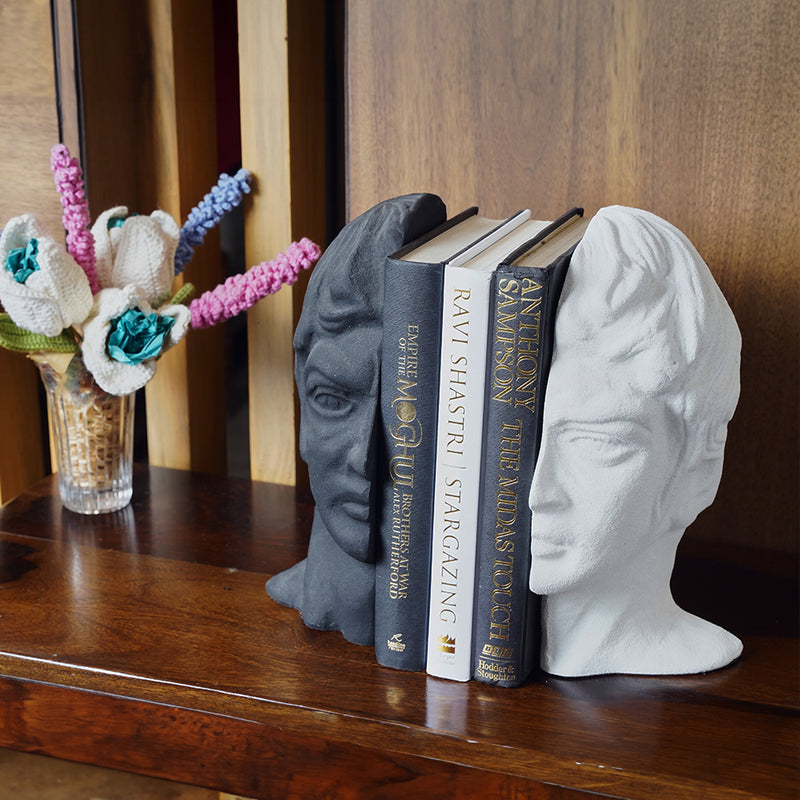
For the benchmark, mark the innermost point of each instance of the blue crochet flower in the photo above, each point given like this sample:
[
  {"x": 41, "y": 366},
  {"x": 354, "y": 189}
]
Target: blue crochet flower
[
  {"x": 222, "y": 198},
  {"x": 136, "y": 336},
  {"x": 121, "y": 340},
  {"x": 21, "y": 261}
]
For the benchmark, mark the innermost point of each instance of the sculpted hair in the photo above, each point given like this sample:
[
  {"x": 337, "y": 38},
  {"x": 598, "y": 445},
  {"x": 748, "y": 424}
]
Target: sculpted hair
[
  {"x": 341, "y": 294},
  {"x": 346, "y": 287},
  {"x": 639, "y": 296}
]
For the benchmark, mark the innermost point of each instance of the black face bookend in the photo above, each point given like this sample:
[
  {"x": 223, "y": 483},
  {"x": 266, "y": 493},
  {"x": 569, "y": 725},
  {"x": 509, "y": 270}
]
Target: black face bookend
[{"x": 337, "y": 370}]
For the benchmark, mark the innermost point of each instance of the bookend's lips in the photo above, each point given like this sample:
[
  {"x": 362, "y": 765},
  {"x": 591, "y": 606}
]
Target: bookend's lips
[
  {"x": 546, "y": 550},
  {"x": 357, "y": 509}
]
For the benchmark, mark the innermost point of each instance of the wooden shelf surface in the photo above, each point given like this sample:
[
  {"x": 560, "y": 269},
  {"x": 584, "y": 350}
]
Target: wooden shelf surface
[{"x": 144, "y": 641}]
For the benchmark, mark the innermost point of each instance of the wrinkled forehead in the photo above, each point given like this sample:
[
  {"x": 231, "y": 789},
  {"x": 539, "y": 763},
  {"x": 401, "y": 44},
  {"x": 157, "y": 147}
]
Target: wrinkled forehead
[
  {"x": 584, "y": 388},
  {"x": 348, "y": 359},
  {"x": 630, "y": 357},
  {"x": 339, "y": 300}
]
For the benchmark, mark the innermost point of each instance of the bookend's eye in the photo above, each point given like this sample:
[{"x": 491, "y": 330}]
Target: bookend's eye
[
  {"x": 329, "y": 400},
  {"x": 606, "y": 445}
]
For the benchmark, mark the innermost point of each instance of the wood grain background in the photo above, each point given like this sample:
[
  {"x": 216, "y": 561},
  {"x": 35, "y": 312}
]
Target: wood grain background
[
  {"x": 688, "y": 109},
  {"x": 28, "y": 130},
  {"x": 151, "y": 143}
]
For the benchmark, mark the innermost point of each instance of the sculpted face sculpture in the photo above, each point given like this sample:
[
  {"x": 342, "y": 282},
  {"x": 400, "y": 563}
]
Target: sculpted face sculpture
[
  {"x": 337, "y": 369},
  {"x": 643, "y": 382}
]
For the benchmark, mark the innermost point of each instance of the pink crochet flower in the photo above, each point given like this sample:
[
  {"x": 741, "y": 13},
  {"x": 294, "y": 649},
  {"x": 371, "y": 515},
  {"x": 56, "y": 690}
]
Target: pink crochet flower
[
  {"x": 69, "y": 181},
  {"x": 240, "y": 292}
]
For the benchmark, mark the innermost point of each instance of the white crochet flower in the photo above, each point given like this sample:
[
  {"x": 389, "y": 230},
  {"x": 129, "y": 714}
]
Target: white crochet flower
[
  {"x": 137, "y": 250},
  {"x": 50, "y": 291},
  {"x": 115, "y": 376}
]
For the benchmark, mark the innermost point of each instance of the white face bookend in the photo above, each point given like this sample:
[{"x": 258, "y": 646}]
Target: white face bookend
[{"x": 644, "y": 380}]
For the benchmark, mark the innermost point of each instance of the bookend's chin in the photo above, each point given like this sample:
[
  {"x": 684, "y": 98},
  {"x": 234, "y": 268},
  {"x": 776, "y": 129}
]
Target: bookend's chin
[
  {"x": 624, "y": 620},
  {"x": 647, "y": 664},
  {"x": 330, "y": 589}
]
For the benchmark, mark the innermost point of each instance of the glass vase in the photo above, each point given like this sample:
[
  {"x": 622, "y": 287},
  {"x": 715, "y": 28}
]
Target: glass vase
[{"x": 92, "y": 433}]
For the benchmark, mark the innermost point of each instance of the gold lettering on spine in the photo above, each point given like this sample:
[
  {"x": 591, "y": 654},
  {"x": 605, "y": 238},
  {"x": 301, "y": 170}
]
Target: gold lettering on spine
[
  {"x": 400, "y": 545},
  {"x": 527, "y": 360},
  {"x": 514, "y": 376},
  {"x": 405, "y": 434},
  {"x": 502, "y": 580}
]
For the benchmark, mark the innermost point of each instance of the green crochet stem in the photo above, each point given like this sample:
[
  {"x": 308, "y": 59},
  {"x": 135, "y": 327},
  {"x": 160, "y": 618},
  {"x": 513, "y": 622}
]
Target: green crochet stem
[
  {"x": 183, "y": 295},
  {"x": 12, "y": 337}
]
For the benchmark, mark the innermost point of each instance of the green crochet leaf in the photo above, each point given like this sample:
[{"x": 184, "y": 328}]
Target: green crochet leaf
[
  {"x": 12, "y": 337},
  {"x": 183, "y": 295}
]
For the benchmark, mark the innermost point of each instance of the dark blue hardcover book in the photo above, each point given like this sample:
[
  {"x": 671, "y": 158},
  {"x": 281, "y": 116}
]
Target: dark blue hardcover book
[
  {"x": 412, "y": 322},
  {"x": 506, "y": 630}
]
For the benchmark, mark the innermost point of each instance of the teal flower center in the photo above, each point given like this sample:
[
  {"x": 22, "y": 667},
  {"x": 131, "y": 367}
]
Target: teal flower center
[
  {"x": 118, "y": 222},
  {"x": 136, "y": 336},
  {"x": 21, "y": 261}
]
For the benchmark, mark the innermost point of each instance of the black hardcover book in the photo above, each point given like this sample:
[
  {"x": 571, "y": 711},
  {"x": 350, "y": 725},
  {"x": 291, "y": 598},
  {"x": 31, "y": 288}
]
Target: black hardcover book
[
  {"x": 412, "y": 321},
  {"x": 522, "y": 321}
]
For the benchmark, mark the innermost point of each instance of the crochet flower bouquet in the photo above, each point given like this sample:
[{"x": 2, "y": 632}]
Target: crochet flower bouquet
[{"x": 100, "y": 311}]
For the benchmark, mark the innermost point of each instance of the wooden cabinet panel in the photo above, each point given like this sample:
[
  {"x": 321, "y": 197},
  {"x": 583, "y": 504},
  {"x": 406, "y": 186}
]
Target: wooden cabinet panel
[
  {"x": 281, "y": 68},
  {"x": 28, "y": 130},
  {"x": 688, "y": 109},
  {"x": 151, "y": 143}
]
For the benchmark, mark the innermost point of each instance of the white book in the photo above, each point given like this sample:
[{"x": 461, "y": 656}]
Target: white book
[{"x": 462, "y": 379}]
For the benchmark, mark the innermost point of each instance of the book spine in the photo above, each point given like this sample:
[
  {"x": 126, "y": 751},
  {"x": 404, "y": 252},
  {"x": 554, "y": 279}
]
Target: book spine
[
  {"x": 506, "y": 620},
  {"x": 457, "y": 478},
  {"x": 408, "y": 408}
]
